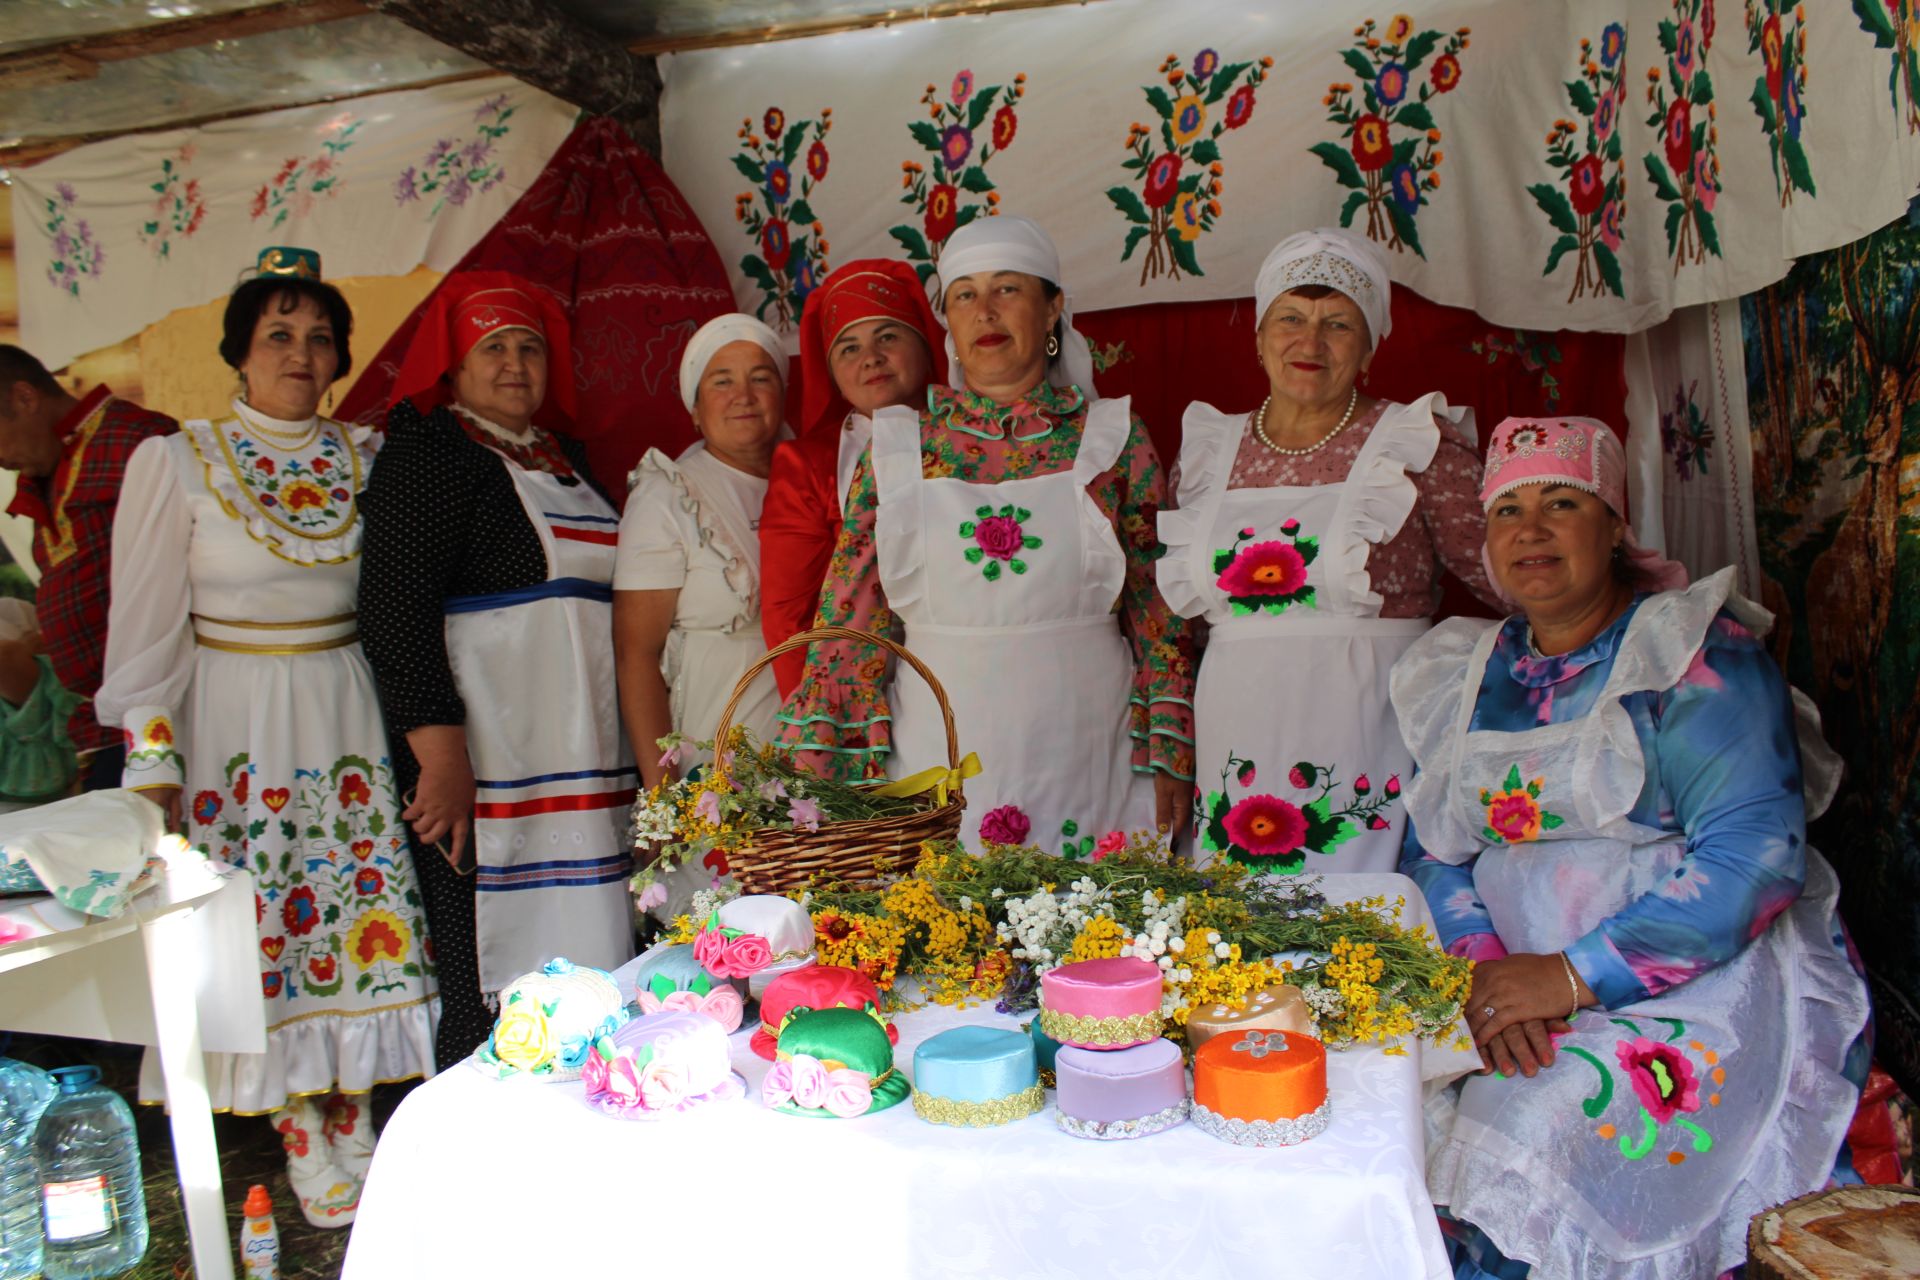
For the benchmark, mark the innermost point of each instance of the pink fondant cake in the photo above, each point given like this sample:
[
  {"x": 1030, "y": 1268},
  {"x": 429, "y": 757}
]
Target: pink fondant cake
[{"x": 1101, "y": 1004}]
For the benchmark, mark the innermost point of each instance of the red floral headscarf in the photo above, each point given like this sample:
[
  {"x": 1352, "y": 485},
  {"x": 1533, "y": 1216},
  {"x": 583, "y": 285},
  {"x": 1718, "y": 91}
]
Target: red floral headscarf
[
  {"x": 468, "y": 307},
  {"x": 865, "y": 289}
]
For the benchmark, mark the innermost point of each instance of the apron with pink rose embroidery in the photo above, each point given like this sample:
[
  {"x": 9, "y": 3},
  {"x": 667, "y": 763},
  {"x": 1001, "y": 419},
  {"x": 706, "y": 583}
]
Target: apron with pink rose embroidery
[
  {"x": 1298, "y": 759},
  {"x": 1007, "y": 592},
  {"x": 1665, "y": 1124}
]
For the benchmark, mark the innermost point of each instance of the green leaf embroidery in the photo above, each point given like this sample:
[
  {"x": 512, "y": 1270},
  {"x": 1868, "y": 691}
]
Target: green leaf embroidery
[
  {"x": 974, "y": 555},
  {"x": 1513, "y": 778},
  {"x": 967, "y": 527},
  {"x": 992, "y": 572}
]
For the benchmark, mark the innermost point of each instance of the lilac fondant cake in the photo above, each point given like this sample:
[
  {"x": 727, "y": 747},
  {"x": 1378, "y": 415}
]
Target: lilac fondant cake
[
  {"x": 1101, "y": 1004},
  {"x": 1123, "y": 1093}
]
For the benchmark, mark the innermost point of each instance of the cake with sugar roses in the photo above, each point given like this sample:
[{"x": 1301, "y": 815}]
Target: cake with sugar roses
[{"x": 548, "y": 1022}]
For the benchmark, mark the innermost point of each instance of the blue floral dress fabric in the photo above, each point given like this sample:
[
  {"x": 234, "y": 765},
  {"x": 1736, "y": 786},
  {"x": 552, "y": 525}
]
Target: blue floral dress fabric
[
  {"x": 1639, "y": 804},
  {"x": 1735, "y": 792}
]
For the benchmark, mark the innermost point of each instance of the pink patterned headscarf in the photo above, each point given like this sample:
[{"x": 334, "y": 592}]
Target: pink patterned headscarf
[{"x": 1581, "y": 452}]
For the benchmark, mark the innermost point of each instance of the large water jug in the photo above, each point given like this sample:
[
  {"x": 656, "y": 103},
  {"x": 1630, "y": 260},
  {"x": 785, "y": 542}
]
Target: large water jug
[
  {"x": 92, "y": 1205},
  {"x": 24, "y": 1093}
]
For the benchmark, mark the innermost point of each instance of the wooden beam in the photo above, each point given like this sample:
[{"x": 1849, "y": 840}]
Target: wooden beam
[
  {"x": 34, "y": 150},
  {"x": 36, "y": 70},
  {"x": 833, "y": 26},
  {"x": 184, "y": 33},
  {"x": 541, "y": 44}
]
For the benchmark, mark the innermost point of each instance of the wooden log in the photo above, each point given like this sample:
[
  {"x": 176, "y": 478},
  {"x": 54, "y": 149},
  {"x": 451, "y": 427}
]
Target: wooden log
[
  {"x": 537, "y": 42},
  {"x": 1851, "y": 1233}
]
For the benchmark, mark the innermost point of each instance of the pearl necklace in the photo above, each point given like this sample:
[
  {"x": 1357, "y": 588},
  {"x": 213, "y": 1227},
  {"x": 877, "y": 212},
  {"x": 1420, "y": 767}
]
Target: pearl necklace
[
  {"x": 1260, "y": 427},
  {"x": 290, "y": 441}
]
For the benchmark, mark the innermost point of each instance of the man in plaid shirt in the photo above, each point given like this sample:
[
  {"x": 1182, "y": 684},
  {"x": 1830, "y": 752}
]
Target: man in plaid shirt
[{"x": 71, "y": 455}]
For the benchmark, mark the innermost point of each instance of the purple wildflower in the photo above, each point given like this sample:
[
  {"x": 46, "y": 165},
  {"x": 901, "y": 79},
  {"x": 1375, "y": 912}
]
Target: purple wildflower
[{"x": 404, "y": 188}]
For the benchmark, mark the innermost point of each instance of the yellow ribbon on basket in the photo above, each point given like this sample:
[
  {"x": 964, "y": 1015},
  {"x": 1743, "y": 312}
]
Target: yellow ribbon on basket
[{"x": 937, "y": 780}]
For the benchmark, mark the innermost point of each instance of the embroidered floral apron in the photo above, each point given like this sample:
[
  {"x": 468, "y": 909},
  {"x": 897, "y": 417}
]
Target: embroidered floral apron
[
  {"x": 1007, "y": 592},
  {"x": 1663, "y": 1125},
  {"x": 554, "y": 776},
  {"x": 1299, "y": 762}
]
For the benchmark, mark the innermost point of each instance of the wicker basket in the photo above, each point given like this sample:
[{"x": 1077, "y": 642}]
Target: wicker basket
[{"x": 855, "y": 852}]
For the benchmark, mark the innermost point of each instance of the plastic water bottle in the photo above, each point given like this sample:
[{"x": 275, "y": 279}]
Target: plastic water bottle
[
  {"x": 259, "y": 1237},
  {"x": 24, "y": 1093},
  {"x": 92, "y": 1205}
]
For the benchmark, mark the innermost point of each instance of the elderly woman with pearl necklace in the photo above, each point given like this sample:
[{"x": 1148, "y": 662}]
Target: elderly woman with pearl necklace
[{"x": 1311, "y": 534}]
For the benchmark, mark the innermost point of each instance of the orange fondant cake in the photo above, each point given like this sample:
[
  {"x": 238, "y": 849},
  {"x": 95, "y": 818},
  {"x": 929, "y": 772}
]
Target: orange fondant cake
[{"x": 1261, "y": 1088}]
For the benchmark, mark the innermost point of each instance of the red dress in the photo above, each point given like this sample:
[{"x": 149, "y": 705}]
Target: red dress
[{"x": 798, "y": 527}]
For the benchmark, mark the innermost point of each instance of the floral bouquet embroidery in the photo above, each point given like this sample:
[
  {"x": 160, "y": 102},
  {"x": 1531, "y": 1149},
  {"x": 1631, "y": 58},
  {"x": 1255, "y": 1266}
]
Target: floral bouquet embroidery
[
  {"x": 998, "y": 537},
  {"x": 1178, "y": 203},
  {"x": 1687, "y": 180},
  {"x": 1390, "y": 179},
  {"x": 1269, "y": 576},
  {"x": 1779, "y": 95},
  {"x": 1590, "y": 213},
  {"x": 1685, "y": 434},
  {"x": 789, "y": 266},
  {"x": 76, "y": 252},
  {"x": 951, "y": 134},
  {"x": 1514, "y": 815},
  {"x": 454, "y": 168}
]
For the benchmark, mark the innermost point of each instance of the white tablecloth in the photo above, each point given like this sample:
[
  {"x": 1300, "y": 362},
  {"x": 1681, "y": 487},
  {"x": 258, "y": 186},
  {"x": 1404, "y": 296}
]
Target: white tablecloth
[{"x": 476, "y": 1177}]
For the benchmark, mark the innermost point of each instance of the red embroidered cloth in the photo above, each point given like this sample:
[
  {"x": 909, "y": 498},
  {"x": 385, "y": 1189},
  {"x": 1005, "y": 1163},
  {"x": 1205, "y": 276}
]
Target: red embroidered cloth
[{"x": 609, "y": 235}]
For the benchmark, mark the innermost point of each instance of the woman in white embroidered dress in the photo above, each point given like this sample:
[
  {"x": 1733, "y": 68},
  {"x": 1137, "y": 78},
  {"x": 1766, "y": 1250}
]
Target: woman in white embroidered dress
[
  {"x": 686, "y": 598},
  {"x": 1311, "y": 534},
  {"x": 233, "y": 665},
  {"x": 686, "y": 584}
]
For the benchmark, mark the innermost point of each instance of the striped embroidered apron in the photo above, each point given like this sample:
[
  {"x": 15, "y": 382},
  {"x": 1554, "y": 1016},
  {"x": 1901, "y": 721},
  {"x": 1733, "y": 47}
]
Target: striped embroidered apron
[{"x": 553, "y": 774}]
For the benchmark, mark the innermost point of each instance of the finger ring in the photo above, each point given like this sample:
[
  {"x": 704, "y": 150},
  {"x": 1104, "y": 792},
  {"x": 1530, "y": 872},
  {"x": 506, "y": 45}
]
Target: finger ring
[{"x": 1487, "y": 1010}]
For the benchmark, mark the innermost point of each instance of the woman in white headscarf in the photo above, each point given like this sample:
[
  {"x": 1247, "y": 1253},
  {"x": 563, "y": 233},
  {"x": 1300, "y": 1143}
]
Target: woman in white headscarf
[
  {"x": 686, "y": 579},
  {"x": 1008, "y": 527},
  {"x": 1311, "y": 534}
]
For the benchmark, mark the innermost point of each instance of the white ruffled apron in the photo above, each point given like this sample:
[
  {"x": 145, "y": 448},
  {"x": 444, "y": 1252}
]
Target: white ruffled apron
[
  {"x": 1298, "y": 760},
  {"x": 554, "y": 776},
  {"x": 1664, "y": 1125},
  {"x": 1026, "y": 642}
]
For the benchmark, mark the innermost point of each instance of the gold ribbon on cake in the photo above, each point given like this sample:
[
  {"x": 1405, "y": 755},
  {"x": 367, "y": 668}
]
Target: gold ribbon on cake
[
  {"x": 1071, "y": 1028},
  {"x": 937, "y": 780},
  {"x": 981, "y": 1115}
]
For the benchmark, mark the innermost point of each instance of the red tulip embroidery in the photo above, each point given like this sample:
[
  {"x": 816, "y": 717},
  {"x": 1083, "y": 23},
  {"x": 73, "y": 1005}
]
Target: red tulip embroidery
[
  {"x": 1267, "y": 576},
  {"x": 998, "y": 538},
  {"x": 1514, "y": 815}
]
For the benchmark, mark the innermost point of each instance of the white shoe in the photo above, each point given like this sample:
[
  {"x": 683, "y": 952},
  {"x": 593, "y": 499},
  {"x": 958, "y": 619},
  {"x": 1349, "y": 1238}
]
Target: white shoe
[
  {"x": 328, "y": 1196},
  {"x": 349, "y": 1132}
]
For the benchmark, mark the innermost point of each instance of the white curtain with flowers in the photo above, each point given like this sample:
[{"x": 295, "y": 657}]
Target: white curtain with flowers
[
  {"x": 1589, "y": 166},
  {"x": 109, "y": 238}
]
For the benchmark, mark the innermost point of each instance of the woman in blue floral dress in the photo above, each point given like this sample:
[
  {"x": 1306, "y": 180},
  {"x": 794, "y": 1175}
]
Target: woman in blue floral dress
[{"x": 1609, "y": 818}]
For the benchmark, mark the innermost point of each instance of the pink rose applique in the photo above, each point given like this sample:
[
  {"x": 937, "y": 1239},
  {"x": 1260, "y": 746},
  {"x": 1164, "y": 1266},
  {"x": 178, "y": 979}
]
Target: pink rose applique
[
  {"x": 1005, "y": 825},
  {"x": 849, "y": 1093},
  {"x": 743, "y": 957},
  {"x": 809, "y": 1081},
  {"x": 998, "y": 538},
  {"x": 664, "y": 1085},
  {"x": 709, "y": 945},
  {"x": 777, "y": 1088}
]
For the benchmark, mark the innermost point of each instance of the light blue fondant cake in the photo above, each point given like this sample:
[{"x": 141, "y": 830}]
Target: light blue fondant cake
[{"x": 976, "y": 1076}]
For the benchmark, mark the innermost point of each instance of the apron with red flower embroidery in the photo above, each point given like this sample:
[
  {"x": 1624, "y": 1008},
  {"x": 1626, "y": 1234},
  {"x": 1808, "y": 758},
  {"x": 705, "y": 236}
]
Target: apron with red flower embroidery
[
  {"x": 1665, "y": 1124},
  {"x": 552, "y": 772},
  {"x": 1298, "y": 758},
  {"x": 1007, "y": 592}
]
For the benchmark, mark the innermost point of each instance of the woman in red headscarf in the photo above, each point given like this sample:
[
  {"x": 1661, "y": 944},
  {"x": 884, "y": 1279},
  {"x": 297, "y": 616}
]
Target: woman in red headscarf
[
  {"x": 486, "y": 612},
  {"x": 866, "y": 342}
]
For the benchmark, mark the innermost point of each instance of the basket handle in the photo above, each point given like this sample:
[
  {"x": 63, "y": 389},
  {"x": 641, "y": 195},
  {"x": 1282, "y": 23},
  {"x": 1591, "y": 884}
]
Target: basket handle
[{"x": 805, "y": 639}]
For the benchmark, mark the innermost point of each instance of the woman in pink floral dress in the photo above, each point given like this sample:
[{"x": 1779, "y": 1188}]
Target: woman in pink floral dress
[
  {"x": 1009, "y": 528},
  {"x": 1310, "y": 535}
]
